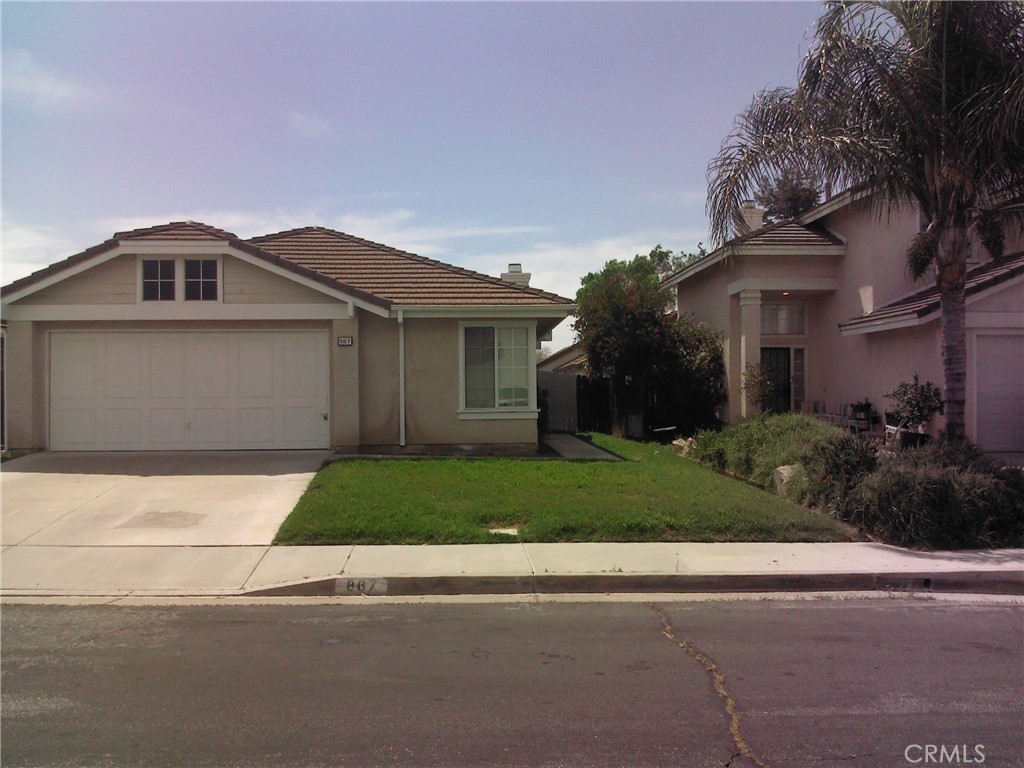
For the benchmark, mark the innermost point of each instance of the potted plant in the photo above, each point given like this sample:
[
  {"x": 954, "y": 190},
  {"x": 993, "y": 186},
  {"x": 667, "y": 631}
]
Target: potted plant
[{"x": 915, "y": 405}]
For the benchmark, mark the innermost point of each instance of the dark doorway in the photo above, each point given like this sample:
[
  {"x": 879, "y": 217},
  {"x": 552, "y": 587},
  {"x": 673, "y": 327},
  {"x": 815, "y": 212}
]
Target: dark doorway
[{"x": 775, "y": 360}]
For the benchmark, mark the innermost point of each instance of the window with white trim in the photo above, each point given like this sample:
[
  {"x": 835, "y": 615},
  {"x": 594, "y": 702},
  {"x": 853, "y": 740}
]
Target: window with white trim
[
  {"x": 158, "y": 280},
  {"x": 783, "y": 320},
  {"x": 496, "y": 367},
  {"x": 180, "y": 279},
  {"x": 200, "y": 279}
]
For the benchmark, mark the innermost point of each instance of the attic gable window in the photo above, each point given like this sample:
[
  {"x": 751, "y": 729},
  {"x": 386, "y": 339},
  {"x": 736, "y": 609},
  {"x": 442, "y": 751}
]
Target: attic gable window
[
  {"x": 158, "y": 280},
  {"x": 200, "y": 279}
]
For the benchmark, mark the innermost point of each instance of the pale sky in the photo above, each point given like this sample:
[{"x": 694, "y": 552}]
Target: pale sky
[{"x": 558, "y": 135}]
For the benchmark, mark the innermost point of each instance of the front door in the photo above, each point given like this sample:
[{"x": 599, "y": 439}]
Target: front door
[{"x": 775, "y": 360}]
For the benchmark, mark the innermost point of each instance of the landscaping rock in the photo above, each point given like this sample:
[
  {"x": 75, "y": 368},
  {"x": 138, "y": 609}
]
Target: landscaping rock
[
  {"x": 788, "y": 479},
  {"x": 684, "y": 445}
]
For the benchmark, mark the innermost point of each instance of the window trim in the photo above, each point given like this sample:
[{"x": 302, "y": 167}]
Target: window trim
[
  {"x": 528, "y": 411},
  {"x": 179, "y": 277}
]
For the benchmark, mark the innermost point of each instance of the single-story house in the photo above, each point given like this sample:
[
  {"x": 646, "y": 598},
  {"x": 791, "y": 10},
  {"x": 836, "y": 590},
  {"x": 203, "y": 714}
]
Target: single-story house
[
  {"x": 186, "y": 337},
  {"x": 826, "y": 303}
]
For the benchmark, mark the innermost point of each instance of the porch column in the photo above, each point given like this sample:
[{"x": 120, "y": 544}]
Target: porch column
[{"x": 750, "y": 340}]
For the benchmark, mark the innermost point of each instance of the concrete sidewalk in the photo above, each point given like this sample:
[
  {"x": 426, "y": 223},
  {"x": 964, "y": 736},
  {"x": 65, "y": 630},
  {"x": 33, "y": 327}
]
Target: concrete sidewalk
[{"x": 499, "y": 569}]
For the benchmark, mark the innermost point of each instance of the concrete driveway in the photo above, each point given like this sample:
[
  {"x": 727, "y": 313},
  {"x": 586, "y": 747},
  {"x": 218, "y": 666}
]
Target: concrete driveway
[
  {"x": 217, "y": 498},
  {"x": 101, "y": 522}
]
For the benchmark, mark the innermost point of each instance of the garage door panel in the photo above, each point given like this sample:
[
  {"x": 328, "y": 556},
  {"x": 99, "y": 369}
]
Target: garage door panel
[
  {"x": 255, "y": 361},
  {"x": 255, "y": 426},
  {"x": 301, "y": 375},
  {"x": 1000, "y": 395},
  {"x": 74, "y": 427},
  {"x": 166, "y": 427},
  {"x": 74, "y": 368},
  {"x": 212, "y": 360},
  {"x": 123, "y": 427},
  {"x": 123, "y": 368},
  {"x": 179, "y": 390},
  {"x": 167, "y": 367}
]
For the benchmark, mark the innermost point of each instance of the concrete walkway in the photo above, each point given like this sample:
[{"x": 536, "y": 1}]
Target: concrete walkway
[
  {"x": 500, "y": 569},
  {"x": 573, "y": 448}
]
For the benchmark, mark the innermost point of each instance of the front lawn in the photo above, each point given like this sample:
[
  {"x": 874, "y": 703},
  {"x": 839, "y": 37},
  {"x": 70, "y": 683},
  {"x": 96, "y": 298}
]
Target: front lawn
[{"x": 652, "y": 496}]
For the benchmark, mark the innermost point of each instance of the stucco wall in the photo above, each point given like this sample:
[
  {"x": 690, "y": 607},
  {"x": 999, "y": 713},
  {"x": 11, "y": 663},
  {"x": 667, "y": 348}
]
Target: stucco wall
[
  {"x": 432, "y": 393},
  {"x": 378, "y": 380}
]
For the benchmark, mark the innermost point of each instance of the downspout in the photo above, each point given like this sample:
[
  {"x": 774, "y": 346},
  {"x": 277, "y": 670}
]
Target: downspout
[{"x": 401, "y": 378}]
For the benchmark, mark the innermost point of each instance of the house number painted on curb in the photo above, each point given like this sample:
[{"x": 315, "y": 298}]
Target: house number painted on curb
[{"x": 361, "y": 586}]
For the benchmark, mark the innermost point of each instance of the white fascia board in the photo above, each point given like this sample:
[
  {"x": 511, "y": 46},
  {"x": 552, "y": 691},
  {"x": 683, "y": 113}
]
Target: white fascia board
[
  {"x": 485, "y": 311},
  {"x": 175, "y": 310},
  {"x": 784, "y": 284}
]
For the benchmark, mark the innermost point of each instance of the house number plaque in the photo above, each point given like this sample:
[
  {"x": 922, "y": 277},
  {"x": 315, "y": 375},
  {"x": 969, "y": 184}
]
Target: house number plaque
[{"x": 344, "y": 341}]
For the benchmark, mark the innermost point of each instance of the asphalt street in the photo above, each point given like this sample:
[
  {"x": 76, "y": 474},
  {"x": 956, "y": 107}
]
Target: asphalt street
[{"x": 846, "y": 682}]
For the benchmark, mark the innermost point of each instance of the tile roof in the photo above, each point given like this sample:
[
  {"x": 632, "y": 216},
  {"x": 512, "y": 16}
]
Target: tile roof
[
  {"x": 924, "y": 302},
  {"x": 177, "y": 230},
  {"x": 369, "y": 271},
  {"x": 787, "y": 233},
  {"x": 404, "y": 278}
]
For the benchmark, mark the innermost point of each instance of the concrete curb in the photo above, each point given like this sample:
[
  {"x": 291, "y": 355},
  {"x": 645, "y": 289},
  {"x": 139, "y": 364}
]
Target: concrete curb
[{"x": 972, "y": 582}]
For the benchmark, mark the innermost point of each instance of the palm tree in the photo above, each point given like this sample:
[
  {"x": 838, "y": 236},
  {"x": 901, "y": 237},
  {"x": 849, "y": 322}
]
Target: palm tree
[{"x": 910, "y": 101}]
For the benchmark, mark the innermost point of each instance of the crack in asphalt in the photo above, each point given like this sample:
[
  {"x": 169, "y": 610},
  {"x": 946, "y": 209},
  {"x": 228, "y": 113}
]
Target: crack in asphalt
[{"x": 718, "y": 678}]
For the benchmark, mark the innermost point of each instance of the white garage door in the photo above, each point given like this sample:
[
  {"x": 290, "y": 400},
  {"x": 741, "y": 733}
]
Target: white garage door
[
  {"x": 188, "y": 391},
  {"x": 1000, "y": 377}
]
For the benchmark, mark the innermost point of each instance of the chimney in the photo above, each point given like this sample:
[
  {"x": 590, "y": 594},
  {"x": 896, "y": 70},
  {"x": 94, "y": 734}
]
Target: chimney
[
  {"x": 753, "y": 217},
  {"x": 516, "y": 275}
]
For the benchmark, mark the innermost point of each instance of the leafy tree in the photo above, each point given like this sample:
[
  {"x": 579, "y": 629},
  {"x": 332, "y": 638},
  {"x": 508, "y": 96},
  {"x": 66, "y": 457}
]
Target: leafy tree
[
  {"x": 787, "y": 196},
  {"x": 620, "y": 318},
  {"x": 909, "y": 101},
  {"x": 623, "y": 325},
  {"x": 668, "y": 263}
]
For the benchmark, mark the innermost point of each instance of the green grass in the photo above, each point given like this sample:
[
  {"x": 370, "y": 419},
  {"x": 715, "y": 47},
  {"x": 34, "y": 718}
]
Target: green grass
[{"x": 653, "y": 495}]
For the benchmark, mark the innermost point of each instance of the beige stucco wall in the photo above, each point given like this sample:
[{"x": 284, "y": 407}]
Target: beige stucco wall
[
  {"x": 378, "y": 380},
  {"x": 246, "y": 283},
  {"x": 432, "y": 393},
  {"x": 112, "y": 282}
]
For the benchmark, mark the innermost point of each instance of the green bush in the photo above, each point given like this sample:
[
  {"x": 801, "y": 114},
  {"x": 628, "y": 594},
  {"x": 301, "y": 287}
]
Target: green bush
[
  {"x": 942, "y": 496},
  {"x": 937, "y": 496},
  {"x": 914, "y": 503},
  {"x": 754, "y": 447},
  {"x": 835, "y": 464}
]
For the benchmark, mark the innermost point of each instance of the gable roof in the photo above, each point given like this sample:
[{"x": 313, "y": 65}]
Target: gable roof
[
  {"x": 370, "y": 272},
  {"x": 779, "y": 237},
  {"x": 918, "y": 307},
  {"x": 181, "y": 231},
  {"x": 403, "y": 278},
  {"x": 177, "y": 230}
]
